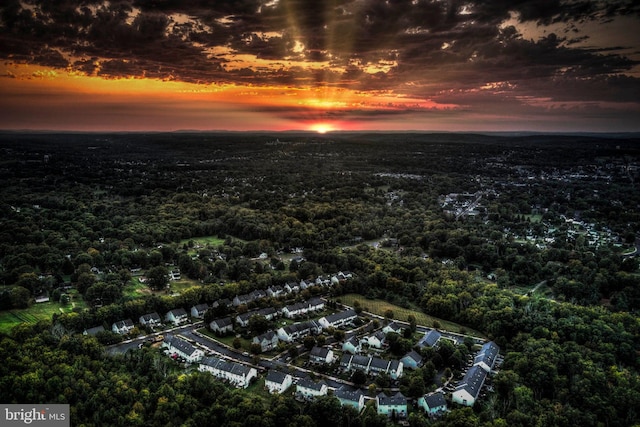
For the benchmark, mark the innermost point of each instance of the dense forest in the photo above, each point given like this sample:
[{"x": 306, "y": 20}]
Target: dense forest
[{"x": 530, "y": 240}]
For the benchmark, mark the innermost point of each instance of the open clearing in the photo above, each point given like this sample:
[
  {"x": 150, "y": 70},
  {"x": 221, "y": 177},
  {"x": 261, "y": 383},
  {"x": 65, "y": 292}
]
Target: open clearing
[
  {"x": 379, "y": 307},
  {"x": 35, "y": 313}
]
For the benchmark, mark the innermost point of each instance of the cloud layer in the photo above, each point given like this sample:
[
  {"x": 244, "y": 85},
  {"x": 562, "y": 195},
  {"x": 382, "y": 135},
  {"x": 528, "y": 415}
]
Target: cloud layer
[{"x": 453, "y": 54}]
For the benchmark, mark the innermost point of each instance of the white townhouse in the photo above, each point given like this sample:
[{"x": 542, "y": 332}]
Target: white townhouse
[
  {"x": 122, "y": 327},
  {"x": 151, "y": 319},
  {"x": 268, "y": 313},
  {"x": 468, "y": 388},
  {"x": 376, "y": 340},
  {"x": 277, "y": 382},
  {"x": 224, "y": 302},
  {"x": 236, "y": 373},
  {"x": 291, "y": 288},
  {"x": 250, "y": 297},
  {"x": 396, "y": 369},
  {"x": 275, "y": 291},
  {"x": 433, "y": 403},
  {"x": 352, "y": 345},
  {"x": 373, "y": 365},
  {"x": 391, "y": 406},
  {"x": 198, "y": 311},
  {"x": 338, "y": 319},
  {"x": 321, "y": 355},
  {"x": 348, "y": 397},
  {"x": 177, "y": 316},
  {"x": 222, "y": 326},
  {"x": 267, "y": 341},
  {"x": 294, "y": 310},
  {"x": 308, "y": 389},
  {"x": 316, "y": 304},
  {"x": 393, "y": 327},
  {"x": 296, "y": 331},
  {"x": 183, "y": 348},
  {"x": 412, "y": 360},
  {"x": 486, "y": 357},
  {"x": 360, "y": 363}
]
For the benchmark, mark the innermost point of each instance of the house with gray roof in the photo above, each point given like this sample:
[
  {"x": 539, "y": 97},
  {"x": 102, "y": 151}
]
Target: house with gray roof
[
  {"x": 222, "y": 326},
  {"x": 434, "y": 404},
  {"x": 182, "y": 348},
  {"x": 350, "y": 397},
  {"x": 308, "y": 389},
  {"x": 275, "y": 291},
  {"x": 122, "y": 327},
  {"x": 198, "y": 311},
  {"x": 352, "y": 345},
  {"x": 277, "y": 381},
  {"x": 320, "y": 355},
  {"x": 224, "y": 302},
  {"x": 177, "y": 316},
  {"x": 396, "y": 369},
  {"x": 430, "y": 339},
  {"x": 296, "y": 331},
  {"x": 294, "y": 310},
  {"x": 316, "y": 304},
  {"x": 486, "y": 357},
  {"x": 151, "y": 319},
  {"x": 360, "y": 362},
  {"x": 412, "y": 360},
  {"x": 345, "y": 361},
  {"x": 393, "y": 327},
  {"x": 338, "y": 319},
  {"x": 468, "y": 388},
  {"x": 237, "y": 374},
  {"x": 392, "y": 406},
  {"x": 376, "y": 340},
  {"x": 378, "y": 366},
  {"x": 267, "y": 341}
]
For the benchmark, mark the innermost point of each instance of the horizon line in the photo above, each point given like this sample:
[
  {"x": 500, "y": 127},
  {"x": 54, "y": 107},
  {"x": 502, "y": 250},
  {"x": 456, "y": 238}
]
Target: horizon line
[{"x": 324, "y": 134}]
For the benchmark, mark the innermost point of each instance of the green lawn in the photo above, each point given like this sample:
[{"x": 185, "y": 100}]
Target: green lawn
[
  {"x": 204, "y": 241},
  {"x": 379, "y": 307},
  {"x": 41, "y": 311},
  {"x": 257, "y": 390},
  {"x": 183, "y": 284},
  {"x": 136, "y": 289},
  {"x": 534, "y": 217}
]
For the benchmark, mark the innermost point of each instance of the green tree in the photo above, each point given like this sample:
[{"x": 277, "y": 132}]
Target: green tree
[
  {"x": 158, "y": 277},
  {"x": 258, "y": 324},
  {"x": 309, "y": 342},
  {"x": 358, "y": 377},
  {"x": 20, "y": 297}
]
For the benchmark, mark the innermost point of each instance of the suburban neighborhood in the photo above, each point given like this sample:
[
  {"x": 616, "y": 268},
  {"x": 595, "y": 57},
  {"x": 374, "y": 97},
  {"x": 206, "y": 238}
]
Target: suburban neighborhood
[{"x": 318, "y": 370}]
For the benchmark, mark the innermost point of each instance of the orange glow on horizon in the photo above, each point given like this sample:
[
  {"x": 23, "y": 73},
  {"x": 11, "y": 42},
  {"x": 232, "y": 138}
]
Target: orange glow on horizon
[
  {"x": 62, "y": 99},
  {"x": 322, "y": 127}
]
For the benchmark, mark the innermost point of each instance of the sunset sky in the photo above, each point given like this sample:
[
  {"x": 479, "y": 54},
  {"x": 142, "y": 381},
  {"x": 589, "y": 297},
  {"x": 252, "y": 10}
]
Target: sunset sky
[{"x": 426, "y": 65}]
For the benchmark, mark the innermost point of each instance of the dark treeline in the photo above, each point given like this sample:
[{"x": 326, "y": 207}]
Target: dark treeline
[{"x": 561, "y": 211}]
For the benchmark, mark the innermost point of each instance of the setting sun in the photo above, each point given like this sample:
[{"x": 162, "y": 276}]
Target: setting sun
[{"x": 322, "y": 127}]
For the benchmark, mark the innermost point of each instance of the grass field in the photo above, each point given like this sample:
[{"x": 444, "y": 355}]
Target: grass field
[
  {"x": 35, "y": 313},
  {"x": 204, "y": 241},
  {"x": 379, "y": 307},
  {"x": 534, "y": 217},
  {"x": 135, "y": 289}
]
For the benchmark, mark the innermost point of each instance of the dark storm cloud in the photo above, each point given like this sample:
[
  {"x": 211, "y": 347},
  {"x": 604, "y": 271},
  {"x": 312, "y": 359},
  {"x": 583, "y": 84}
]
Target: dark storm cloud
[{"x": 422, "y": 47}]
